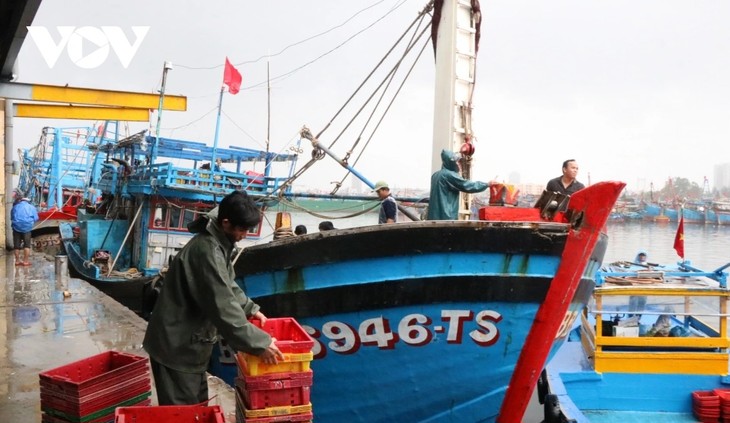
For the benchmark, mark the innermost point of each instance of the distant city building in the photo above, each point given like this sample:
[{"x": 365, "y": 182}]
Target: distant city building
[
  {"x": 722, "y": 176},
  {"x": 514, "y": 178},
  {"x": 530, "y": 189}
]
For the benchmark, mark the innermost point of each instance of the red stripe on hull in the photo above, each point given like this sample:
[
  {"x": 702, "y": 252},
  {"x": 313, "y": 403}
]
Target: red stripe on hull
[{"x": 595, "y": 203}]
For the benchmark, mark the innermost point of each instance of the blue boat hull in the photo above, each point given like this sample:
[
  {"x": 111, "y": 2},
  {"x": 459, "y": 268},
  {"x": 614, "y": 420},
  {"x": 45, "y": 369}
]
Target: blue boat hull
[
  {"x": 591, "y": 397},
  {"x": 128, "y": 291},
  {"x": 433, "y": 335}
]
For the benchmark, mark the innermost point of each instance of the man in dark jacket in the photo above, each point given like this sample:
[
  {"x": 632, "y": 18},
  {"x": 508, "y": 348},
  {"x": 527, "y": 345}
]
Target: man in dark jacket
[
  {"x": 446, "y": 184},
  {"x": 199, "y": 300}
]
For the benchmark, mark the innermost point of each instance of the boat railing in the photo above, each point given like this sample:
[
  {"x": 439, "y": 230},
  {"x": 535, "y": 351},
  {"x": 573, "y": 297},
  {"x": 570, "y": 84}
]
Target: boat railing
[
  {"x": 215, "y": 181},
  {"x": 657, "y": 329}
]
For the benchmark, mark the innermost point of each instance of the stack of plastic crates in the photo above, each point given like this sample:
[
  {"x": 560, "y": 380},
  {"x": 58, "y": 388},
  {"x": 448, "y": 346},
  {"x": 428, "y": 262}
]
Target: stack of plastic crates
[
  {"x": 706, "y": 406},
  {"x": 89, "y": 390},
  {"x": 268, "y": 393},
  {"x": 170, "y": 414},
  {"x": 724, "y": 395}
]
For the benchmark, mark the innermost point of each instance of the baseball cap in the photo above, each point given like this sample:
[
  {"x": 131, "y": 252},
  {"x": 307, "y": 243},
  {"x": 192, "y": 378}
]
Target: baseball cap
[{"x": 380, "y": 185}]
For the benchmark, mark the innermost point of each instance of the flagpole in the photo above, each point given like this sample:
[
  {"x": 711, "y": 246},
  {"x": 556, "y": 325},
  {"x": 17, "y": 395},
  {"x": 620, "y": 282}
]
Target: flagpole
[{"x": 217, "y": 128}]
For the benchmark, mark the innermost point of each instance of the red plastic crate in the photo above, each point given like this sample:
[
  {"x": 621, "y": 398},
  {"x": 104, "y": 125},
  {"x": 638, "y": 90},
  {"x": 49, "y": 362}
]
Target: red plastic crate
[
  {"x": 275, "y": 390},
  {"x": 101, "y": 371},
  {"x": 289, "y": 418},
  {"x": 48, "y": 390},
  {"x": 705, "y": 399},
  {"x": 290, "y": 335},
  {"x": 170, "y": 414},
  {"x": 104, "y": 414},
  {"x": 271, "y": 415},
  {"x": 48, "y": 418},
  {"x": 83, "y": 408}
]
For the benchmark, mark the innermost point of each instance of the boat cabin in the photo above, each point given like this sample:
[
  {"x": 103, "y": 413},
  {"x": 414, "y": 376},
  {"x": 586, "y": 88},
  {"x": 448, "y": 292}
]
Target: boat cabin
[{"x": 658, "y": 321}]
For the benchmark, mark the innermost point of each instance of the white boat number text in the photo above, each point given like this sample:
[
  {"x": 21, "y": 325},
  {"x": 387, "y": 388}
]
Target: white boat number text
[{"x": 414, "y": 330}]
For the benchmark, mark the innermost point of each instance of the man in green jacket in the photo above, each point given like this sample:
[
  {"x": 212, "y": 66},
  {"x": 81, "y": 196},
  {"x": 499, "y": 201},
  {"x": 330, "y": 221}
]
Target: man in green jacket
[
  {"x": 446, "y": 184},
  {"x": 199, "y": 300}
]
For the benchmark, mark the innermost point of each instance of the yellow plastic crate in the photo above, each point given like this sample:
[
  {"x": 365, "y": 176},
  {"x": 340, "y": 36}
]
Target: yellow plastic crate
[
  {"x": 278, "y": 411},
  {"x": 250, "y": 365}
]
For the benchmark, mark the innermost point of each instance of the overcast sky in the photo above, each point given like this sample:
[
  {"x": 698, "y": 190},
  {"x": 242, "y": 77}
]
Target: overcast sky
[{"x": 637, "y": 90}]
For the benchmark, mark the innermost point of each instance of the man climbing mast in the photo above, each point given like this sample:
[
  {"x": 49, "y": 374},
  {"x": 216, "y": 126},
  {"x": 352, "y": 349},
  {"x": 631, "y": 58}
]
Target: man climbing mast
[{"x": 455, "y": 72}]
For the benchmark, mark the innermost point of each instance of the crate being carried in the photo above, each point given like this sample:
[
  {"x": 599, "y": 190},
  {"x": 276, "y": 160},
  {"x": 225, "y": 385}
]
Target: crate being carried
[
  {"x": 89, "y": 390},
  {"x": 293, "y": 342}
]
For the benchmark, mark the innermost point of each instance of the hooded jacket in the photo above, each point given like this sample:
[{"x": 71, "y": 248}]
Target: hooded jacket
[
  {"x": 23, "y": 216},
  {"x": 446, "y": 184},
  {"x": 200, "y": 300}
]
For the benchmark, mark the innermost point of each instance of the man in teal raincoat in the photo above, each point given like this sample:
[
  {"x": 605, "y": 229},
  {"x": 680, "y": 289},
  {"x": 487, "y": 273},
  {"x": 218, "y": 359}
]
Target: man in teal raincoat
[{"x": 446, "y": 184}]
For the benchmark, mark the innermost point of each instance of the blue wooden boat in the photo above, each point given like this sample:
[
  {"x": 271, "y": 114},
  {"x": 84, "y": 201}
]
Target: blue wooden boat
[
  {"x": 399, "y": 312},
  {"x": 721, "y": 212},
  {"x": 149, "y": 195},
  {"x": 57, "y": 175},
  {"x": 434, "y": 321},
  {"x": 651, "y": 336}
]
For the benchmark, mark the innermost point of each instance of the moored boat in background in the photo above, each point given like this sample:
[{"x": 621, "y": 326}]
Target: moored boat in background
[
  {"x": 150, "y": 194},
  {"x": 58, "y": 174},
  {"x": 651, "y": 336}
]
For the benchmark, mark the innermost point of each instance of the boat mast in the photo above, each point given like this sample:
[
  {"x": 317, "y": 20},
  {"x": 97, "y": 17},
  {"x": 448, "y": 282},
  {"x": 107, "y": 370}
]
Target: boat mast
[
  {"x": 456, "y": 47},
  {"x": 268, "y": 117},
  {"x": 268, "y": 108},
  {"x": 165, "y": 68}
]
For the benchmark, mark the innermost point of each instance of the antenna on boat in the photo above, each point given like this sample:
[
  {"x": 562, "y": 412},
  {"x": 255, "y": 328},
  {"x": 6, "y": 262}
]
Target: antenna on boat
[
  {"x": 165, "y": 68},
  {"x": 268, "y": 108}
]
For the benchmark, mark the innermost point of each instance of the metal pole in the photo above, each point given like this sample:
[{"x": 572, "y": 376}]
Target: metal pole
[
  {"x": 124, "y": 241},
  {"x": 8, "y": 171},
  {"x": 166, "y": 67},
  {"x": 317, "y": 145},
  {"x": 217, "y": 129}
]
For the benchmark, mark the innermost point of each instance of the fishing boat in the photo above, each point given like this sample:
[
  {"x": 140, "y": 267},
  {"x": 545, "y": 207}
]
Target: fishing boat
[
  {"x": 151, "y": 188},
  {"x": 57, "y": 176},
  {"x": 434, "y": 321},
  {"x": 652, "y": 339},
  {"x": 720, "y": 212}
]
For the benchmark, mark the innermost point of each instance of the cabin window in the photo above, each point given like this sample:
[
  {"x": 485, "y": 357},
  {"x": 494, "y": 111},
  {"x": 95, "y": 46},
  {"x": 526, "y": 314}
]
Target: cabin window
[
  {"x": 175, "y": 217},
  {"x": 158, "y": 216},
  {"x": 659, "y": 316},
  {"x": 188, "y": 216},
  {"x": 175, "y": 214}
]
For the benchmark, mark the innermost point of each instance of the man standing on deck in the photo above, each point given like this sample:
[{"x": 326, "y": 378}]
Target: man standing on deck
[
  {"x": 388, "y": 206},
  {"x": 200, "y": 299},
  {"x": 23, "y": 216},
  {"x": 446, "y": 183},
  {"x": 566, "y": 184}
]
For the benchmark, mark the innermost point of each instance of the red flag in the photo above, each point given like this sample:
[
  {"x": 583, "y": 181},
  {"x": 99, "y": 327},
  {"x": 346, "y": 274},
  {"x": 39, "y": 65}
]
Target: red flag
[
  {"x": 232, "y": 77},
  {"x": 679, "y": 238}
]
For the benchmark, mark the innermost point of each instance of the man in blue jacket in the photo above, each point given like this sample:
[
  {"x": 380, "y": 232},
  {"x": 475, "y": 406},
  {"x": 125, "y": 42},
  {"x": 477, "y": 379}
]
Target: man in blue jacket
[
  {"x": 23, "y": 216},
  {"x": 446, "y": 184}
]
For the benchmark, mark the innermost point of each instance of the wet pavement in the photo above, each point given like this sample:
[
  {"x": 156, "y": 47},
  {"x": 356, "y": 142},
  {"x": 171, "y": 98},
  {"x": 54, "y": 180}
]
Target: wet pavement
[{"x": 48, "y": 321}]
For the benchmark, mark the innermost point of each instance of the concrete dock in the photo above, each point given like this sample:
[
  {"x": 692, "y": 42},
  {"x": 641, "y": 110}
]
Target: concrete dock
[{"x": 49, "y": 321}]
